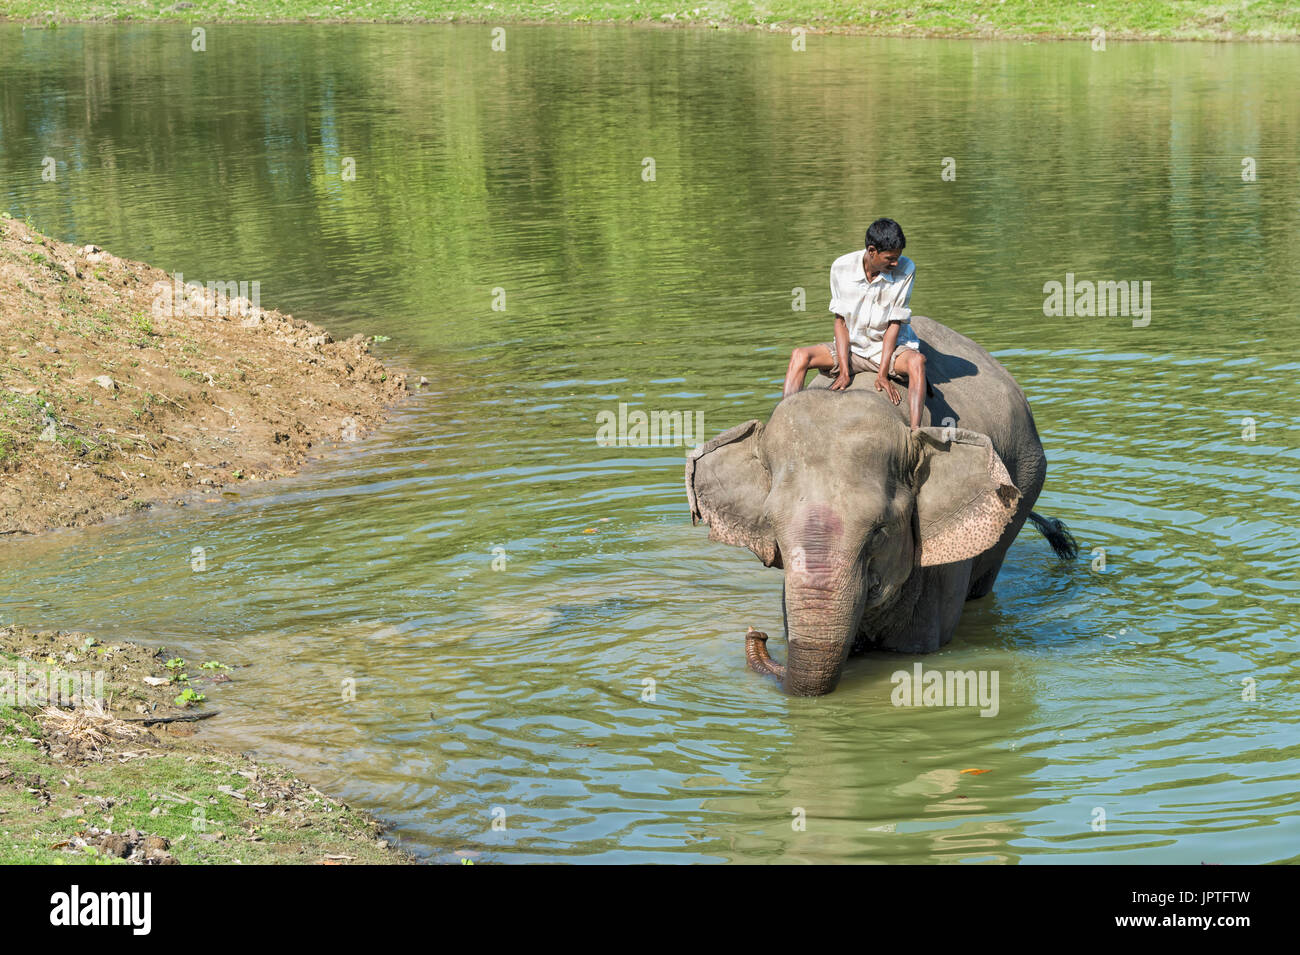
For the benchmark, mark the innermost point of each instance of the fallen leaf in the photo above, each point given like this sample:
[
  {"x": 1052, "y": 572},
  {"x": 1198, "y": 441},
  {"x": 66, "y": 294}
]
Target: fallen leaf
[
  {"x": 590, "y": 530},
  {"x": 976, "y": 772}
]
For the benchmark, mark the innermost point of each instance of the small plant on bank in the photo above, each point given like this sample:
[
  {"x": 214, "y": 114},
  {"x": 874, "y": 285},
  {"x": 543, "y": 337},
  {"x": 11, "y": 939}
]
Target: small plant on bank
[
  {"x": 143, "y": 324},
  {"x": 8, "y": 450}
]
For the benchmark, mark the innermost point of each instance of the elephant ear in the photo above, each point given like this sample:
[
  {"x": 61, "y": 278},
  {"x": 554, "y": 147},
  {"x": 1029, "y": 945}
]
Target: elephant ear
[
  {"x": 964, "y": 496},
  {"x": 726, "y": 484}
]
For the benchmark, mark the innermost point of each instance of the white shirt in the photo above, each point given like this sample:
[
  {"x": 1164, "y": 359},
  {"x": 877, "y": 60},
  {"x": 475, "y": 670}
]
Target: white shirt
[{"x": 869, "y": 307}]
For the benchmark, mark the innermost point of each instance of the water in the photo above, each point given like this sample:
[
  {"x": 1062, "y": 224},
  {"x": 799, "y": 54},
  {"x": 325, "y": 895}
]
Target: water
[{"x": 518, "y": 692}]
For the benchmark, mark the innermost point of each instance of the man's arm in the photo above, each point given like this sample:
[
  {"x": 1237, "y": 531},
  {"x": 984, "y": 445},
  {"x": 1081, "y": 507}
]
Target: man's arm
[
  {"x": 841, "y": 354},
  {"x": 898, "y": 314},
  {"x": 886, "y": 353},
  {"x": 841, "y": 336}
]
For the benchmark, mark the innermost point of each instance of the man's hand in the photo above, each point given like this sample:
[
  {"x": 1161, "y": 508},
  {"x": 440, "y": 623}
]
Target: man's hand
[
  {"x": 884, "y": 384},
  {"x": 841, "y": 381}
]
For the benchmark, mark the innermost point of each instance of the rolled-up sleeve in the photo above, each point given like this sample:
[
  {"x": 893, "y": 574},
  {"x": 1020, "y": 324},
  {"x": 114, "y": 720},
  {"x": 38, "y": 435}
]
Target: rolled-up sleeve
[
  {"x": 902, "y": 297},
  {"x": 838, "y": 305}
]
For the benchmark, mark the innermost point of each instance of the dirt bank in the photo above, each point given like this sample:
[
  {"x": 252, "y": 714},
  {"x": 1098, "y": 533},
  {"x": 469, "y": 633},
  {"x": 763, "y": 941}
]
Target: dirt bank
[
  {"x": 86, "y": 775},
  {"x": 119, "y": 390}
]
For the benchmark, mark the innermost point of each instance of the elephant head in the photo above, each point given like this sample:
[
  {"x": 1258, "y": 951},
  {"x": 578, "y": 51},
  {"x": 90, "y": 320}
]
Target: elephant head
[{"x": 841, "y": 494}]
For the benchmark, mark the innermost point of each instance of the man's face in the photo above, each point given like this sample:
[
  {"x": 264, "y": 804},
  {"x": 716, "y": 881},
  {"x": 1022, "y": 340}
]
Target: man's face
[{"x": 881, "y": 261}]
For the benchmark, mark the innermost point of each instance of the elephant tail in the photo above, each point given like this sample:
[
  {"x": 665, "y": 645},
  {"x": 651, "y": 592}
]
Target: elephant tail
[{"x": 1058, "y": 535}]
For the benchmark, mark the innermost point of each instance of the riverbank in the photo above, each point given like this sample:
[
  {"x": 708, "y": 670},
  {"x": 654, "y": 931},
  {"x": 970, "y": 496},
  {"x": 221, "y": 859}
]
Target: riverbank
[
  {"x": 1266, "y": 20},
  {"x": 120, "y": 388},
  {"x": 113, "y": 771}
]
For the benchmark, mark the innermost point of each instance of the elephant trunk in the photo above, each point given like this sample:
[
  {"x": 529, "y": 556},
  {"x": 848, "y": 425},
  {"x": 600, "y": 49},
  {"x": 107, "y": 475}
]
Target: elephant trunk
[
  {"x": 757, "y": 656},
  {"x": 822, "y": 619},
  {"x": 819, "y": 637}
]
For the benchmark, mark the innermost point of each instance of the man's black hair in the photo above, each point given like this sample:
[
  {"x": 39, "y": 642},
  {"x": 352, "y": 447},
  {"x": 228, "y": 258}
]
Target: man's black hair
[{"x": 886, "y": 235}]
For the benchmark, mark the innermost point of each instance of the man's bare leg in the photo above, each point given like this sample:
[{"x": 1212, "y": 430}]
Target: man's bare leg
[
  {"x": 802, "y": 359},
  {"x": 912, "y": 364}
]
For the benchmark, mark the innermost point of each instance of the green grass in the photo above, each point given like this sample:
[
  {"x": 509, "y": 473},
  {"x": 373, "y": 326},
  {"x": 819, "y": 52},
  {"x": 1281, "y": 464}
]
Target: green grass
[
  {"x": 82, "y": 321},
  {"x": 10, "y": 450},
  {"x": 212, "y": 805},
  {"x": 143, "y": 324},
  {"x": 177, "y": 789},
  {"x": 1160, "y": 19},
  {"x": 24, "y": 413},
  {"x": 176, "y": 796},
  {"x": 60, "y": 273}
]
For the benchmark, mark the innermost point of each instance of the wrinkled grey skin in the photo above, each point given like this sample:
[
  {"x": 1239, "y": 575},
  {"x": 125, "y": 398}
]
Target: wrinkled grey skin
[{"x": 883, "y": 533}]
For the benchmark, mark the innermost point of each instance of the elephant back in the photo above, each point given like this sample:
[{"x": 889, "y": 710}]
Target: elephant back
[{"x": 972, "y": 390}]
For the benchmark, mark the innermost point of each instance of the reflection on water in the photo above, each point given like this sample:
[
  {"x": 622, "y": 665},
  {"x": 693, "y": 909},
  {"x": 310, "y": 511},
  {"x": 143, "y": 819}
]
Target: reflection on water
[{"x": 529, "y": 620}]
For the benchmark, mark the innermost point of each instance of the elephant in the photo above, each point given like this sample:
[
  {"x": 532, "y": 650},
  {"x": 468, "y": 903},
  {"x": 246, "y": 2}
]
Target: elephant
[{"x": 883, "y": 532}]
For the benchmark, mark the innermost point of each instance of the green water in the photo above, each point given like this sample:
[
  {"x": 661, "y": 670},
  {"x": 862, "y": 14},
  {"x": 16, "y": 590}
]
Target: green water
[{"x": 516, "y": 691}]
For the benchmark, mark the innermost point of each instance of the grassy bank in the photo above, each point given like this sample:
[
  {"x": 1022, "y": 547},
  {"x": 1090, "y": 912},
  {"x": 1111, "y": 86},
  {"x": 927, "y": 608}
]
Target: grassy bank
[
  {"x": 1044, "y": 19},
  {"x": 97, "y": 782}
]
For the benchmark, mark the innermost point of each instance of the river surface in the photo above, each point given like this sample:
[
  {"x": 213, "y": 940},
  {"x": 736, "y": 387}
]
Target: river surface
[{"x": 497, "y": 588}]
